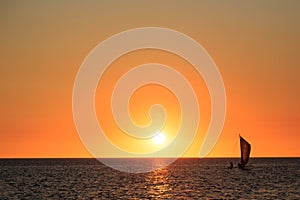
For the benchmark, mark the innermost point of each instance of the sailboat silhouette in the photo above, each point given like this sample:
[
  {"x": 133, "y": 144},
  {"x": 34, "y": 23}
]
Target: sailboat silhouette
[{"x": 245, "y": 152}]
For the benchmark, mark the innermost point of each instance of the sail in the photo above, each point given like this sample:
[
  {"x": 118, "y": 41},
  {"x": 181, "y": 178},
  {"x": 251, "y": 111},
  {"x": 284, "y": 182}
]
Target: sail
[{"x": 245, "y": 151}]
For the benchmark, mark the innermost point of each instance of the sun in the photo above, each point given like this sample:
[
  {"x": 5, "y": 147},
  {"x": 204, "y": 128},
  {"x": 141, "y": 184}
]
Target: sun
[{"x": 159, "y": 138}]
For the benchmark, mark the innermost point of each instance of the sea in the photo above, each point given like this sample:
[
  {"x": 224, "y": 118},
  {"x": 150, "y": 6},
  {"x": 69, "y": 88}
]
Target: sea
[{"x": 186, "y": 178}]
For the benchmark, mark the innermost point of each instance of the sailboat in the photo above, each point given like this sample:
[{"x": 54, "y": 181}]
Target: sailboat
[{"x": 245, "y": 152}]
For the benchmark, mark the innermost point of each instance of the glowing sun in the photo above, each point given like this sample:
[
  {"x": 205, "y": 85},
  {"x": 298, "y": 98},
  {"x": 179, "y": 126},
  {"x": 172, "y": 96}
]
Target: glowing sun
[{"x": 159, "y": 138}]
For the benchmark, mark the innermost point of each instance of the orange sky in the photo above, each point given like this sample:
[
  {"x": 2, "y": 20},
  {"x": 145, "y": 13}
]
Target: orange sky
[{"x": 255, "y": 46}]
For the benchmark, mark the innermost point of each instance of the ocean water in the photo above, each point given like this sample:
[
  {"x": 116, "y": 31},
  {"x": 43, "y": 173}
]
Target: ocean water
[{"x": 186, "y": 178}]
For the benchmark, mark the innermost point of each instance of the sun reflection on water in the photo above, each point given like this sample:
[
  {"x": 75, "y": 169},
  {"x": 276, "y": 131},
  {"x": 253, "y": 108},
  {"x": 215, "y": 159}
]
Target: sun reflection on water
[{"x": 158, "y": 182}]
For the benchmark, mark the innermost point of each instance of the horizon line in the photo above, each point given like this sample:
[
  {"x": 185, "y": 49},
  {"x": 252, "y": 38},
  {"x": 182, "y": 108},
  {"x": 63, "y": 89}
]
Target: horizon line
[{"x": 190, "y": 157}]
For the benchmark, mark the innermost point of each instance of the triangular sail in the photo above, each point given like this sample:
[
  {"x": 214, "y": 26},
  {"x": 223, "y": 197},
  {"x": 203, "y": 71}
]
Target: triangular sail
[{"x": 245, "y": 151}]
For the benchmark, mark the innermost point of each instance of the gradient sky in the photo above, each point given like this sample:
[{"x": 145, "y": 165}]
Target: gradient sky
[{"x": 254, "y": 44}]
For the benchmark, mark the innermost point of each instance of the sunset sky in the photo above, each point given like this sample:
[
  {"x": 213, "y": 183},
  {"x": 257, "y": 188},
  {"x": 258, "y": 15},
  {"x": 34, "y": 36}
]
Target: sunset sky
[{"x": 254, "y": 44}]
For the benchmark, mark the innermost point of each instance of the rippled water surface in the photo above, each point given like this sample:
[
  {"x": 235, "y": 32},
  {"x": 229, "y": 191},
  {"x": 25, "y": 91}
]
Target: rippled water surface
[{"x": 184, "y": 179}]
